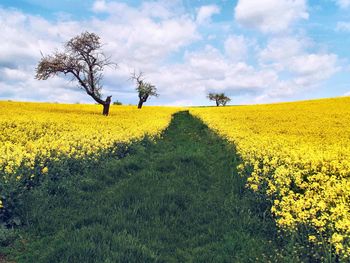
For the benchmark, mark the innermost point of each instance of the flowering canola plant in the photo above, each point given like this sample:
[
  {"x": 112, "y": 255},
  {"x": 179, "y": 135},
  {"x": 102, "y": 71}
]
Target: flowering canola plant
[
  {"x": 298, "y": 155},
  {"x": 34, "y": 134}
]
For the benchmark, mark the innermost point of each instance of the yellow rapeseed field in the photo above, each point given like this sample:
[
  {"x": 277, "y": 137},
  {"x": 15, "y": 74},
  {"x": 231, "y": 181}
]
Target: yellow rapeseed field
[
  {"x": 42, "y": 132},
  {"x": 298, "y": 155}
]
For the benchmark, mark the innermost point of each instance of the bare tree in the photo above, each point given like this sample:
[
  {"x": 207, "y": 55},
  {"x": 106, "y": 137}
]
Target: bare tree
[
  {"x": 224, "y": 99},
  {"x": 144, "y": 89},
  {"x": 84, "y": 60},
  {"x": 214, "y": 97},
  {"x": 219, "y": 98}
]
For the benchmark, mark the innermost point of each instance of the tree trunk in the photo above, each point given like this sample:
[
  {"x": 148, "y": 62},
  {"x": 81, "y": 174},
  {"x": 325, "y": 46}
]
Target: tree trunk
[
  {"x": 139, "y": 106},
  {"x": 217, "y": 103},
  {"x": 106, "y": 108}
]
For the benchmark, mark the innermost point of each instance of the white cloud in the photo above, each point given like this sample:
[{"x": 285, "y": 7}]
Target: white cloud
[
  {"x": 236, "y": 47},
  {"x": 14, "y": 74},
  {"x": 280, "y": 48},
  {"x": 343, "y": 3},
  {"x": 270, "y": 15},
  {"x": 321, "y": 65},
  {"x": 209, "y": 70},
  {"x": 151, "y": 9},
  {"x": 100, "y": 6},
  {"x": 24, "y": 36},
  {"x": 134, "y": 34},
  {"x": 154, "y": 37},
  {"x": 343, "y": 26},
  {"x": 303, "y": 69},
  {"x": 133, "y": 37},
  {"x": 206, "y": 12},
  {"x": 291, "y": 53}
]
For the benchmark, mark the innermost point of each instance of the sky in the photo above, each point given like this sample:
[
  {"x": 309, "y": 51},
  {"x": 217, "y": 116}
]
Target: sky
[{"x": 254, "y": 51}]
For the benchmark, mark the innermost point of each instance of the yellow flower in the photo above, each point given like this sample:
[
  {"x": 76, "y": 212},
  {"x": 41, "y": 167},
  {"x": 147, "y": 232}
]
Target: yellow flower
[
  {"x": 336, "y": 238},
  {"x": 46, "y": 132},
  {"x": 312, "y": 238},
  {"x": 298, "y": 155}
]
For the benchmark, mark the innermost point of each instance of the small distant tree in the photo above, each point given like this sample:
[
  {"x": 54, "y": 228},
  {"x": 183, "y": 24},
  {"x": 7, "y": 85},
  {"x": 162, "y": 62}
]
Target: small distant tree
[
  {"x": 219, "y": 98},
  {"x": 117, "y": 103},
  {"x": 145, "y": 89},
  {"x": 214, "y": 97},
  {"x": 84, "y": 60},
  {"x": 224, "y": 99}
]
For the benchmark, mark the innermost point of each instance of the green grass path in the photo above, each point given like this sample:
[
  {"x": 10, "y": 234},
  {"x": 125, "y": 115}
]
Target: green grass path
[{"x": 177, "y": 200}]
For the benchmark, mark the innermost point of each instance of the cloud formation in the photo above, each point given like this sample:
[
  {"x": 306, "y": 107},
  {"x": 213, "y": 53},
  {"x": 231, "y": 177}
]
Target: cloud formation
[
  {"x": 302, "y": 69},
  {"x": 343, "y": 26},
  {"x": 236, "y": 47},
  {"x": 270, "y": 16},
  {"x": 206, "y": 12},
  {"x": 343, "y": 3},
  {"x": 133, "y": 37},
  {"x": 171, "y": 46}
]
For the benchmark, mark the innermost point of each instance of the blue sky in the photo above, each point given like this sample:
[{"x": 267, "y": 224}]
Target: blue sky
[{"x": 254, "y": 51}]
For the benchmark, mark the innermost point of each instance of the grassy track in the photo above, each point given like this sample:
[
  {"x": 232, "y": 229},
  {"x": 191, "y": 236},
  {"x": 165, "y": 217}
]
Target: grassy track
[{"x": 177, "y": 200}]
